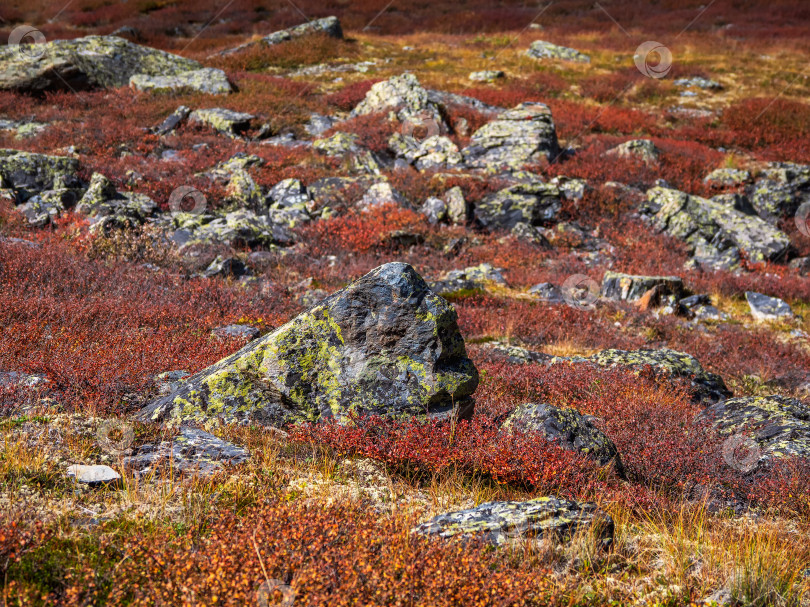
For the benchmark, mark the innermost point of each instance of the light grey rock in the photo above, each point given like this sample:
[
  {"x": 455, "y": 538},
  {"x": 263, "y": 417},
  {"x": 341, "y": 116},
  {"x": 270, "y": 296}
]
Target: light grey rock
[
  {"x": 540, "y": 49},
  {"x": 236, "y": 331},
  {"x": 547, "y": 292},
  {"x": 522, "y": 135},
  {"x": 435, "y": 209},
  {"x": 628, "y": 287},
  {"x": 327, "y": 25},
  {"x": 727, "y": 178},
  {"x": 643, "y": 149},
  {"x": 222, "y": 120},
  {"x": 486, "y": 75},
  {"x": 765, "y": 308},
  {"x": 94, "y": 476}
]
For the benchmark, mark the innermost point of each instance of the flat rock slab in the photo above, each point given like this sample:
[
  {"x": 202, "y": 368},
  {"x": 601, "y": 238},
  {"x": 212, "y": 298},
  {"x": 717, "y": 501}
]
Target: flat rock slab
[
  {"x": 95, "y": 476},
  {"x": 206, "y": 80},
  {"x": 709, "y": 388},
  {"x": 192, "y": 452},
  {"x": 499, "y": 523}
]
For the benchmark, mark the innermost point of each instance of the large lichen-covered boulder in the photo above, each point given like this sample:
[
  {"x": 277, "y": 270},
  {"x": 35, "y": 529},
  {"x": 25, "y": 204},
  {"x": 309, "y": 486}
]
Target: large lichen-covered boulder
[
  {"x": 522, "y": 135},
  {"x": 385, "y": 344},
  {"x": 532, "y": 203},
  {"x": 28, "y": 173},
  {"x": 89, "y": 62},
  {"x": 780, "y": 426},
  {"x": 709, "y": 388},
  {"x": 501, "y": 523},
  {"x": 569, "y": 428},
  {"x": 540, "y": 49},
  {"x": 208, "y": 80},
  {"x": 716, "y": 233},
  {"x": 327, "y": 25},
  {"x": 629, "y": 287}
]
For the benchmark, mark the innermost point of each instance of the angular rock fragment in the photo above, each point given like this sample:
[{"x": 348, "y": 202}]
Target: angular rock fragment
[
  {"x": 716, "y": 233},
  {"x": 223, "y": 121},
  {"x": 109, "y": 209},
  {"x": 476, "y": 277},
  {"x": 409, "y": 99},
  {"x": 547, "y": 292},
  {"x": 643, "y": 149},
  {"x": 28, "y": 173},
  {"x": 94, "y": 476},
  {"x": 765, "y": 308},
  {"x": 525, "y": 134},
  {"x": 385, "y": 345},
  {"x": 500, "y": 523},
  {"x": 527, "y": 203}
]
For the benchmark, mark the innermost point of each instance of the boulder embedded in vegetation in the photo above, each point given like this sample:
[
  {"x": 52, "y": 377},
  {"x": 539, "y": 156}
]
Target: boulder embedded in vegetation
[
  {"x": 486, "y": 75},
  {"x": 385, "y": 344},
  {"x": 709, "y": 388},
  {"x": 527, "y": 203},
  {"x": 628, "y": 287},
  {"x": 327, "y": 25},
  {"x": 569, "y": 428},
  {"x": 780, "y": 426},
  {"x": 500, "y": 523},
  {"x": 540, "y": 49},
  {"x": 727, "y": 178},
  {"x": 94, "y": 476},
  {"x": 468, "y": 279},
  {"x": 765, "y": 308},
  {"x": 717, "y": 234},
  {"x": 83, "y": 63},
  {"x": 208, "y": 80},
  {"x": 525, "y": 134},
  {"x": 110, "y": 209}
]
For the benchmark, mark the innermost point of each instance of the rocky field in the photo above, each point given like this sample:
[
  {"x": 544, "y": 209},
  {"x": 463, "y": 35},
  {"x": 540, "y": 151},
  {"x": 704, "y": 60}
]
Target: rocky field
[{"x": 417, "y": 304}]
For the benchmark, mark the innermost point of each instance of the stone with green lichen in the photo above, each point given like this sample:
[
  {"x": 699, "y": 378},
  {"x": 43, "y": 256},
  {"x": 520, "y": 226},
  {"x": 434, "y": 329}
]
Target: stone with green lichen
[
  {"x": 89, "y": 62},
  {"x": 727, "y": 178},
  {"x": 222, "y": 120},
  {"x": 568, "y": 428},
  {"x": 716, "y": 233},
  {"x": 240, "y": 228},
  {"x": 42, "y": 209},
  {"x": 530, "y": 203},
  {"x": 385, "y": 345},
  {"x": 28, "y": 173},
  {"x": 226, "y": 169},
  {"x": 779, "y": 425},
  {"x": 411, "y": 103},
  {"x": 110, "y": 209},
  {"x": 474, "y": 277},
  {"x": 709, "y": 388},
  {"x": 243, "y": 191},
  {"x": 210, "y": 81},
  {"x": 501, "y": 523},
  {"x": 780, "y": 190},
  {"x": 434, "y": 152},
  {"x": 540, "y": 49},
  {"x": 339, "y": 144},
  {"x": 525, "y": 134}
]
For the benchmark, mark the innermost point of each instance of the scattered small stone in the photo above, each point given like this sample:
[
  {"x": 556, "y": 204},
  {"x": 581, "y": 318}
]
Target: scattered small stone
[
  {"x": 223, "y": 121},
  {"x": 627, "y": 287},
  {"x": 232, "y": 267},
  {"x": 540, "y": 49},
  {"x": 94, "y": 476},
  {"x": 547, "y": 292},
  {"x": 486, "y": 75},
  {"x": 698, "y": 82},
  {"x": 236, "y": 331}
]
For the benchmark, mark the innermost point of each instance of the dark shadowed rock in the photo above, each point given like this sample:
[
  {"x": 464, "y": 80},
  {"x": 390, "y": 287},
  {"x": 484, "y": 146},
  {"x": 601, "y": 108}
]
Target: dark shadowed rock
[
  {"x": 500, "y": 523},
  {"x": 569, "y": 428},
  {"x": 385, "y": 344},
  {"x": 627, "y": 287},
  {"x": 28, "y": 173},
  {"x": 528, "y": 203}
]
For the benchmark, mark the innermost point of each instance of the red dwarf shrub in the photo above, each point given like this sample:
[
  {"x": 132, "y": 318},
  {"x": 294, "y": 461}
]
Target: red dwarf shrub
[{"x": 349, "y": 96}]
